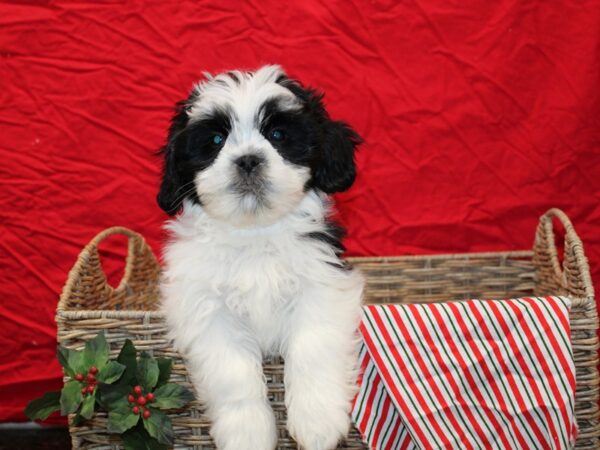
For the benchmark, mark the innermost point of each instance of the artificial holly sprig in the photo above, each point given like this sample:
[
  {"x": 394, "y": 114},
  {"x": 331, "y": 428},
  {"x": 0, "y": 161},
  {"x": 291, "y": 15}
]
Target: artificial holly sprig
[
  {"x": 134, "y": 404},
  {"x": 78, "y": 394},
  {"x": 132, "y": 390}
]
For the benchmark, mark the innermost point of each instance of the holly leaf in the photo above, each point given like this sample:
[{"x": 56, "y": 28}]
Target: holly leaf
[
  {"x": 164, "y": 370},
  {"x": 87, "y": 406},
  {"x": 62, "y": 354},
  {"x": 147, "y": 371},
  {"x": 121, "y": 419},
  {"x": 113, "y": 396},
  {"x": 127, "y": 357},
  {"x": 70, "y": 397},
  {"x": 70, "y": 360},
  {"x": 111, "y": 372},
  {"x": 76, "y": 360},
  {"x": 96, "y": 352},
  {"x": 137, "y": 438},
  {"x": 159, "y": 426},
  {"x": 171, "y": 395},
  {"x": 41, "y": 408}
]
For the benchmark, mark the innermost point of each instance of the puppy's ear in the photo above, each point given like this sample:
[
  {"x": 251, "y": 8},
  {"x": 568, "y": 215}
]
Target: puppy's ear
[
  {"x": 336, "y": 169},
  {"x": 169, "y": 196}
]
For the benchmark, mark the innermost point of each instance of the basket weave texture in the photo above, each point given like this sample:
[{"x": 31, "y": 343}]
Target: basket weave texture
[{"x": 88, "y": 304}]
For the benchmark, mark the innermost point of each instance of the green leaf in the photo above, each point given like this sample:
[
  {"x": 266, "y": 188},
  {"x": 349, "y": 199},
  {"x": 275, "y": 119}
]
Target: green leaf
[
  {"x": 111, "y": 372},
  {"x": 172, "y": 395},
  {"x": 164, "y": 370},
  {"x": 158, "y": 425},
  {"x": 113, "y": 396},
  {"x": 147, "y": 371},
  {"x": 96, "y": 352},
  {"x": 127, "y": 358},
  {"x": 41, "y": 408},
  {"x": 71, "y": 360},
  {"x": 87, "y": 406},
  {"x": 137, "y": 438},
  {"x": 62, "y": 354},
  {"x": 70, "y": 397},
  {"x": 121, "y": 419},
  {"x": 76, "y": 360}
]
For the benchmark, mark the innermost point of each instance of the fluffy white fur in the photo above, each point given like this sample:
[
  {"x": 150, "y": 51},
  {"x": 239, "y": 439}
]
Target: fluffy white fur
[{"x": 241, "y": 283}]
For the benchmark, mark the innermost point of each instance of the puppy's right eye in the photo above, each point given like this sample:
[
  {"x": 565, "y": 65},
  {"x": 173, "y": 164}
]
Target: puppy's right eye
[
  {"x": 277, "y": 135},
  {"x": 217, "y": 139}
]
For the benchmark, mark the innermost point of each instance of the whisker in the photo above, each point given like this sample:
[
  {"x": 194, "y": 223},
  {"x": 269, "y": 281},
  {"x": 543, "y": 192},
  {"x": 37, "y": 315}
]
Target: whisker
[
  {"x": 180, "y": 197},
  {"x": 183, "y": 186}
]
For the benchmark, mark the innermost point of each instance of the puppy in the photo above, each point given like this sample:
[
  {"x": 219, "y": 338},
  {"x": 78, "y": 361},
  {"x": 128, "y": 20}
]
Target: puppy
[{"x": 252, "y": 265}]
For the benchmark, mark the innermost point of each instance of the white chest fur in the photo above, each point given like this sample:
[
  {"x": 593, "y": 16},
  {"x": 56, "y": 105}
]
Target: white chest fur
[
  {"x": 256, "y": 273},
  {"x": 232, "y": 296}
]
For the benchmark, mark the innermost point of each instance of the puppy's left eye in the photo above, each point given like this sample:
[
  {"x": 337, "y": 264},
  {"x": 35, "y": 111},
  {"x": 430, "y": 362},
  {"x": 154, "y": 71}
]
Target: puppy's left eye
[
  {"x": 276, "y": 135},
  {"x": 217, "y": 139}
]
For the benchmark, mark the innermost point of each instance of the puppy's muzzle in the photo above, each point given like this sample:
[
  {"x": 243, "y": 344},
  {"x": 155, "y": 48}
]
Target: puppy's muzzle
[{"x": 248, "y": 165}]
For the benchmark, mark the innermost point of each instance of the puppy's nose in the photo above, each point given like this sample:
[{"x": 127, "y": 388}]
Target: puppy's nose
[{"x": 249, "y": 163}]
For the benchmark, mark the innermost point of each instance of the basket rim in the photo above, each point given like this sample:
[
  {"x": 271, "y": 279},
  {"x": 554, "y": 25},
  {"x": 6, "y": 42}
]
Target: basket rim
[
  {"x": 63, "y": 311},
  {"x": 466, "y": 255}
]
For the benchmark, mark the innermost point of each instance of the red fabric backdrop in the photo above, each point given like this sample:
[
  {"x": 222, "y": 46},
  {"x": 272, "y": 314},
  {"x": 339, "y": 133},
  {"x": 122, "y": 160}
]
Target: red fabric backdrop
[{"x": 477, "y": 116}]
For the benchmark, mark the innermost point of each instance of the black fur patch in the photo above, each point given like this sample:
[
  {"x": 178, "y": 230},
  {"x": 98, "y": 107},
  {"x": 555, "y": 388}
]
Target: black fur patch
[
  {"x": 189, "y": 150},
  {"x": 298, "y": 143},
  {"x": 333, "y": 142},
  {"x": 332, "y": 236}
]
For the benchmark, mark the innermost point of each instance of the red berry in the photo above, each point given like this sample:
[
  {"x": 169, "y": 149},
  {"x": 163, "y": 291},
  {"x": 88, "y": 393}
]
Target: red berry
[
  {"x": 93, "y": 370},
  {"x": 136, "y": 410},
  {"x": 149, "y": 396},
  {"x": 147, "y": 414},
  {"x": 141, "y": 400},
  {"x": 83, "y": 390},
  {"x": 91, "y": 378},
  {"x": 91, "y": 388},
  {"x": 130, "y": 398},
  {"x": 138, "y": 390},
  {"x": 79, "y": 377}
]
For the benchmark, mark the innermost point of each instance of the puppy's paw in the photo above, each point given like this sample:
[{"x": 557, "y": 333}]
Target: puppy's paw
[
  {"x": 317, "y": 428},
  {"x": 249, "y": 426}
]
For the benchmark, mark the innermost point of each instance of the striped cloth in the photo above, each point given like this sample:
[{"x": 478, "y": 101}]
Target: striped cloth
[{"x": 467, "y": 375}]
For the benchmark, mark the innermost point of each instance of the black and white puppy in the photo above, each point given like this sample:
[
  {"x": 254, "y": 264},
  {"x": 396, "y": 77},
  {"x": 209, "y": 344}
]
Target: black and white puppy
[{"x": 252, "y": 266}]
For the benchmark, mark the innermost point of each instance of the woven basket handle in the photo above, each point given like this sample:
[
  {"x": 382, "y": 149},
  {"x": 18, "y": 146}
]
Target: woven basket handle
[
  {"x": 573, "y": 276},
  {"x": 139, "y": 254},
  {"x": 87, "y": 284}
]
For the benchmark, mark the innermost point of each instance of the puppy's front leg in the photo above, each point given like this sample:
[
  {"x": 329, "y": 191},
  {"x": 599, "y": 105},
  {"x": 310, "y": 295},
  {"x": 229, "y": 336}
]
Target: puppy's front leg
[
  {"x": 226, "y": 366},
  {"x": 320, "y": 368}
]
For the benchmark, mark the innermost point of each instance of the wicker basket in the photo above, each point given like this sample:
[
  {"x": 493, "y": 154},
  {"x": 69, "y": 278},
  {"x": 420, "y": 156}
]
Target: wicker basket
[{"x": 88, "y": 304}]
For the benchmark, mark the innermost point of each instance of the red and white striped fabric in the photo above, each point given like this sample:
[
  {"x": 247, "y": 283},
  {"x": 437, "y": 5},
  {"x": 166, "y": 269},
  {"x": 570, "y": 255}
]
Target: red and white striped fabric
[{"x": 495, "y": 374}]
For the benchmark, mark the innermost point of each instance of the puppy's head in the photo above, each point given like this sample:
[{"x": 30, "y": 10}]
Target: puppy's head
[{"x": 248, "y": 145}]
